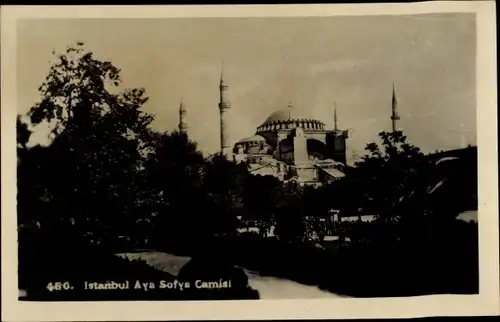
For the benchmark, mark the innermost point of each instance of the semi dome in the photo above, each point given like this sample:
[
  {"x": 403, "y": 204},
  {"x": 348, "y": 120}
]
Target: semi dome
[
  {"x": 254, "y": 138},
  {"x": 289, "y": 118}
]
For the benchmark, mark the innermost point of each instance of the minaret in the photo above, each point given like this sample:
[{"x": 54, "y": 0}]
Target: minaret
[
  {"x": 394, "y": 116},
  {"x": 224, "y": 106},
  {"x": 182, "y": 118},
  {"x": 335, "y": 127},
  {"x": 289, "y": 109},
  {"x": 336, "y": 140}
]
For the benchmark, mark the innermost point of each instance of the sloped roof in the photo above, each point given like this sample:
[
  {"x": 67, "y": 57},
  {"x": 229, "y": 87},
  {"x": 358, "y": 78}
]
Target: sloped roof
[
  {"x": 252, "y": 138},
  {"x": 258, "y": 169},
  {"x": 333, "y": 172}
]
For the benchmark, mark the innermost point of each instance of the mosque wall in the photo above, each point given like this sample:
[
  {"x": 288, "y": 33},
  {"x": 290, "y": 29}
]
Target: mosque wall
[
  {"x": 336, "y": 146},
  {"x": 271, "y": 138},
  {"x": 321, "y": 136},
  {"x": 317, "y": 149},
  {"x": 300, "y": 153},
  {"x": 287, "y": 157},
  {"x": 307, "y": 174}
]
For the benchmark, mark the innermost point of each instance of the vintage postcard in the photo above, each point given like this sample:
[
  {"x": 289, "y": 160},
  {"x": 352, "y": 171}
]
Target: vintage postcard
[{"x": 249, "y": 162}]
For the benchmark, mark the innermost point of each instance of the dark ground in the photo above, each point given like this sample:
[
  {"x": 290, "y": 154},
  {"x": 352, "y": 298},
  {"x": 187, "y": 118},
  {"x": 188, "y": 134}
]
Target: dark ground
[{"x": 447, "y": 266}]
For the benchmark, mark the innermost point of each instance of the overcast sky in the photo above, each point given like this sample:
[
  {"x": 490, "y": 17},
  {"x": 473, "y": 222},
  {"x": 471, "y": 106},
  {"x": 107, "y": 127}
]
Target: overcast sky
[{"x": 311, "y": 62}]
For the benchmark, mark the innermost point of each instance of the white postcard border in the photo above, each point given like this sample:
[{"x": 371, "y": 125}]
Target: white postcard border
[{"x": 486, "y": 303}]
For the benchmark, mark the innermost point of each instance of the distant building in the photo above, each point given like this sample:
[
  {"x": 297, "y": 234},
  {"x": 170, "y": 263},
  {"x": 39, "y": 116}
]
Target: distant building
[
  {"x": 286, "y": 145},
  {"x": 294, "y": 147}
]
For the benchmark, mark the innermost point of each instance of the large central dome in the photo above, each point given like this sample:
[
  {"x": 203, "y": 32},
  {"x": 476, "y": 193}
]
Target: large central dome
[
  {"x": 284, "y": 115},
  {"x": 289, "y": 118}
]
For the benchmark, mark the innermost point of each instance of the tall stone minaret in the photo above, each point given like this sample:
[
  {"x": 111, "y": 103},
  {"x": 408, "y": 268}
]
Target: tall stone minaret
[
  {"x": 224, "y": 106},
  {"x": 335, "y": 126},
  {"x": 182, "y": 118},
  {"x": 394, "y": 116}
]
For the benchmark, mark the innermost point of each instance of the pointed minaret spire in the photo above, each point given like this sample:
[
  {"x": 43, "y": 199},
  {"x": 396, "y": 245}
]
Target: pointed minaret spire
[
  {"x": 222, "y": 74},
  {"x": 222, "y": 85},
  {"x": 394, "y": 116},
  {"x": 335, "y": 127},
  {"x": 181, "y": 105},
  {"x": 182, "y": 117},
  {"x": 224, "y": 106}
]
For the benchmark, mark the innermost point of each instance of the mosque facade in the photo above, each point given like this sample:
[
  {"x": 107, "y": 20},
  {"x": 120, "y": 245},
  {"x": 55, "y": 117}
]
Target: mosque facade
[
  {"x": 287, "y": 145},
  {"x": 294, "y": 147}
]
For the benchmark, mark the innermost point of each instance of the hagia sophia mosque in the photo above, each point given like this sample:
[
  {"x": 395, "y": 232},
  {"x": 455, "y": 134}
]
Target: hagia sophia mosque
[{"x": 286, "y": 145}]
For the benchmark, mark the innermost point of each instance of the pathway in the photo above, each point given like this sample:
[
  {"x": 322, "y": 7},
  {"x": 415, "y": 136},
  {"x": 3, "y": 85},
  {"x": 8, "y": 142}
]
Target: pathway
[{"x": 269, "y": 287}]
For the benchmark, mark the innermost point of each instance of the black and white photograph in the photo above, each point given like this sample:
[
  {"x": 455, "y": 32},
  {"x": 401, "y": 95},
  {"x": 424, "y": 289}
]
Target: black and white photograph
[{"x": 250, "y": 158}]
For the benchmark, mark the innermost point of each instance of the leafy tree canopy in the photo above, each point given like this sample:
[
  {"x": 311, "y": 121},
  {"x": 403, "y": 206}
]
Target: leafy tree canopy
[
  {"x": 100, "y": 138},
  {"x": 387, "y": 174}
]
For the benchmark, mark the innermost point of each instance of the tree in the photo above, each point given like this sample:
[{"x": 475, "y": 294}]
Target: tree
[
  {"x": 23, "y": 133},
  {"x": 176, "y": 166},
  {"x": 260, "y": 197},
  {"x": 316, "y": 205},
  {"x": 224, "y": 181},
  {"x": 387, "y": 176},
  {"x": 174, "y": 171},
  {"x": 29, "y": 193},
  {"x": 100, "y": 141},
  {"x": 289, "y": 213}
]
